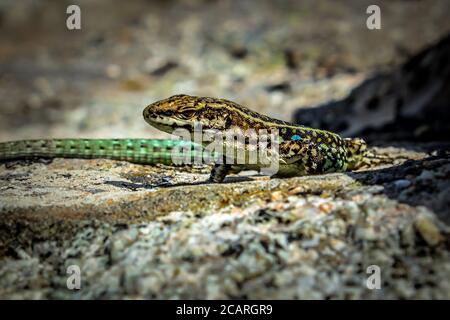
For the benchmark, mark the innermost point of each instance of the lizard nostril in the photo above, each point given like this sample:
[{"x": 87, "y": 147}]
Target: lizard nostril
[{"x": 148, "y": 113}]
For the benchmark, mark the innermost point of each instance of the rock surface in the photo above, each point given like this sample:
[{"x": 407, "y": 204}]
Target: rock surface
[{"x": 160, "y": 232}]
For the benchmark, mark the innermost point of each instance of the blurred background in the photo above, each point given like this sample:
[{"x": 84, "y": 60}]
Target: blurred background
[{"x": 272, "y": 56}]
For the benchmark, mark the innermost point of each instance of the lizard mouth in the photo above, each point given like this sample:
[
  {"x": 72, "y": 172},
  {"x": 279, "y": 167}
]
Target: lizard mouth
[{"x": 168, "y": 124}]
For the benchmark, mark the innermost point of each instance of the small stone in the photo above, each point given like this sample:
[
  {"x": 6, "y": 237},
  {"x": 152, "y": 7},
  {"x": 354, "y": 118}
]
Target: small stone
[
  {"x": 296, "y": 190},
  {"x": 277, "y": 196},
  {"x": 337, "y": 245},
  {"x": 402, "y": 184},
  {"x": 428, "y": 230},
  {"x": 313, "y": 242},
  {"x": 368, "y": 234},
  {"x": 326, "y": 207},
  {"x": 426, "y": 175}
]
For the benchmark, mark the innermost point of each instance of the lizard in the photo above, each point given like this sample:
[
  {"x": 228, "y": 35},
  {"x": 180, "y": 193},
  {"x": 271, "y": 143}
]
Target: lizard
[{"x": 302, "y": 150}]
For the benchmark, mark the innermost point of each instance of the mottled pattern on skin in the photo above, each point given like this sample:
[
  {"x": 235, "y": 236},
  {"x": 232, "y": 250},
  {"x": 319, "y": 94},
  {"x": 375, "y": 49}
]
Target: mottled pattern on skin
[{"x": 303, "y": 150}]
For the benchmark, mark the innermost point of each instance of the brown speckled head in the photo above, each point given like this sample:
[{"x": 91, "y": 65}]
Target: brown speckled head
[{"x": 183, "y": 111}]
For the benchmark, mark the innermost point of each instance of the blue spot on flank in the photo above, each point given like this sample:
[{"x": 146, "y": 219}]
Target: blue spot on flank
[{"x": 296, "y": 137}]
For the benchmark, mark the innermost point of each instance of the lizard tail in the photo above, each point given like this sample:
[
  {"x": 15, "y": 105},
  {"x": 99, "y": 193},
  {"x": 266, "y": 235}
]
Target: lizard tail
[
  {"x": 143, "y": 151},
  {"x": 360, "y": 156}
]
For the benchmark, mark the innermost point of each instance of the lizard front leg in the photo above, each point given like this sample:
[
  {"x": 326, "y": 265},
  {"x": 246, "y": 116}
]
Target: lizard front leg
[
  {"x": 220, "y": 169},
  {"x": 219, "y": 172}
]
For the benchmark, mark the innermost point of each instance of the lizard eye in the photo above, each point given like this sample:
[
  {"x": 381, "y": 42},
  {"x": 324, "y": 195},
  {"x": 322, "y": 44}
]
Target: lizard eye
[{"x": 167, "y": 113}]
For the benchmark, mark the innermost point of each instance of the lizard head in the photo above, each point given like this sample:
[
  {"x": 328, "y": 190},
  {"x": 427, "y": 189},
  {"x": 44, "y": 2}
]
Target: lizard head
[{"x": 183, "y": 111}]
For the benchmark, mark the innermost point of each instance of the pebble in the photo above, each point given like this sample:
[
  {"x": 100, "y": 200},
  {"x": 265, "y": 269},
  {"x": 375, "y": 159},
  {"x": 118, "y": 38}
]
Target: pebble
[
  {"x": 426, "y": 175},
  {"x": 402, "y": 184},
  {"x": 277, "y": 196},
  {"x": 428, "y": 230}
]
